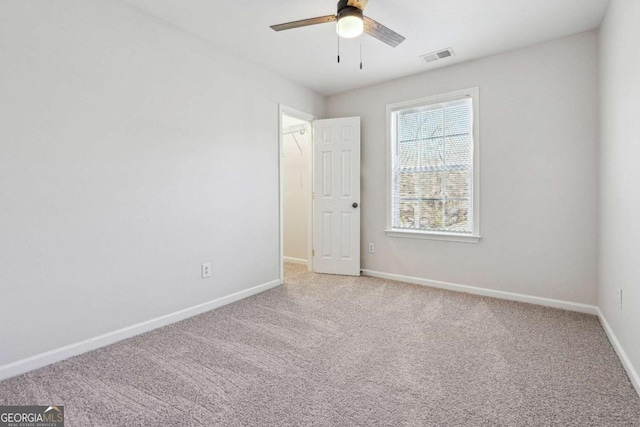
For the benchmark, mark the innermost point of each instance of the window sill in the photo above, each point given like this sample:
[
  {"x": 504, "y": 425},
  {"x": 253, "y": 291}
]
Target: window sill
[{"x": 448, "y": 237}]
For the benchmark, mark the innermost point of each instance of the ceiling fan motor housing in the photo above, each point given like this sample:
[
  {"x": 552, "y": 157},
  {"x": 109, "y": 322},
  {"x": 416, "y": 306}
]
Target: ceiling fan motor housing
[{"x": 345, "y": 10}]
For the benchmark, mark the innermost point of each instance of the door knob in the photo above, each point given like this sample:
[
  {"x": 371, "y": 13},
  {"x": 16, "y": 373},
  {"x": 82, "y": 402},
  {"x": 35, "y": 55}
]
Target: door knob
[{"x": 355, "y": 205}]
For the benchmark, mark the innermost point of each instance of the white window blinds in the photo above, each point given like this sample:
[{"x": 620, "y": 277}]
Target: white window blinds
[{"x": 432, "y": 167}]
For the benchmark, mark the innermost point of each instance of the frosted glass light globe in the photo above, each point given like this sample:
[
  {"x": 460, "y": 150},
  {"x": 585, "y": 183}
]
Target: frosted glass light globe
[{"x": 350, "y": 27}]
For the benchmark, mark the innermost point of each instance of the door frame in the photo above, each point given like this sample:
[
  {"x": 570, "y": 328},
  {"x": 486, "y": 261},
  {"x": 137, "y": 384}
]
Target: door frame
[{"x": 285, "y": 110}]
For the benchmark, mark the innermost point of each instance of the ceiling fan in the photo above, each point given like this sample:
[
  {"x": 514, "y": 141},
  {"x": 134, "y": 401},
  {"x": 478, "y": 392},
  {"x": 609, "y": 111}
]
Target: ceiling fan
[{"x": 350, "y": 23}]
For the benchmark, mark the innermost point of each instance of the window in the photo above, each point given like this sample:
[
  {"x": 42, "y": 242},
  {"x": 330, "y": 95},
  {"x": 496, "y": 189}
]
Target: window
[{"x": 433, "y": 170}]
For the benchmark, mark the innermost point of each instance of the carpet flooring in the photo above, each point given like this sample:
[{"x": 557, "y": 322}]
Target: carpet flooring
[{"x": 327, "y": 350}]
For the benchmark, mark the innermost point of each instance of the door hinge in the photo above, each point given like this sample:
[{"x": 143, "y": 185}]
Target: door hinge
[
  {"x": 313, "y": 196},
  {"x": 313, "y": 252}
]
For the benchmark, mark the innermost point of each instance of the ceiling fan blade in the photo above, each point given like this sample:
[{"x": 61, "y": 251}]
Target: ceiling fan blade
[
  {"x": 360, "y": 4},
  {"x": 382, "y": 33},
  {"x": 304, "y": 23}
]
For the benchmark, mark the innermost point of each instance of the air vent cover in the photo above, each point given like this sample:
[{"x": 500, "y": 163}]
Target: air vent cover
[{"x": 441, "y": 54}]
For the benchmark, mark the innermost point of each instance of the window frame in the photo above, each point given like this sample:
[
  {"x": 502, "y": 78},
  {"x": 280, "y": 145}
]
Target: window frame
[{"x": 475, "y": 236}]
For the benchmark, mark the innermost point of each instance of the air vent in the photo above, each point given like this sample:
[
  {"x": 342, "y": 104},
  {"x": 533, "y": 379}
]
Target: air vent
[{"x": 441, "y": 54}]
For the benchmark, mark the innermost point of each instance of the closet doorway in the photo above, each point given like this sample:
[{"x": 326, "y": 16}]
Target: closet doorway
[{"x": 296, "y": 192}]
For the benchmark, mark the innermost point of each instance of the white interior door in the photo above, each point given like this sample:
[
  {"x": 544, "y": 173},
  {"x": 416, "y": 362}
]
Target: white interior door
[{"x": 336, "y": 204}]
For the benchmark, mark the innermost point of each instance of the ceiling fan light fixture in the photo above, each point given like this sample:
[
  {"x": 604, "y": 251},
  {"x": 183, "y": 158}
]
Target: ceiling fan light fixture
[{"x": 350, "y": 23}]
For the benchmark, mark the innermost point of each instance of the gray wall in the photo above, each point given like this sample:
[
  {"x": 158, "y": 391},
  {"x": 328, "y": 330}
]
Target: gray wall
[
  {"x": 620, "y": 173},
  {"x": 130, "y": 153},
  {"x": 539, "y": 172}
]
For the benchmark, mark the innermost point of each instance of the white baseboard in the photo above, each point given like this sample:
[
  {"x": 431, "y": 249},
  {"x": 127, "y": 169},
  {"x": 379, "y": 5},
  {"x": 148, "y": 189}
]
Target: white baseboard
[
  {"x": 295, "y": 260},
  {"x": 547, "y": 302},
  {"x": 626, "y": 363},
  {"x": 38, "y": 361}
]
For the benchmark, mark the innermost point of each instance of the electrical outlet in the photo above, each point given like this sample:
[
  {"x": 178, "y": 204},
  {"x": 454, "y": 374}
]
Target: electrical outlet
[
  {"x": 372, "y": 248},
  {"x": 619, "y": 298},
  {"x": 206, "y": 270}
]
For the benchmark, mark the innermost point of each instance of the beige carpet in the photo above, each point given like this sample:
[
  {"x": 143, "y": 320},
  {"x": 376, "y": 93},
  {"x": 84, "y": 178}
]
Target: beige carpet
[{"x": 330, "y": 350}]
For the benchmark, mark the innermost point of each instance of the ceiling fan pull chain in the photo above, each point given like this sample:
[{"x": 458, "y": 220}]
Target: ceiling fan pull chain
[
  {"x": 361, "y": 52},
  {"x": 338, "y": 32}
]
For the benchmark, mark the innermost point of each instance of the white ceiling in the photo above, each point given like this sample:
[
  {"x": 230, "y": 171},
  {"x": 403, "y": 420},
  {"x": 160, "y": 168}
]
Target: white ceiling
[{"x": 473, "y": 28}]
